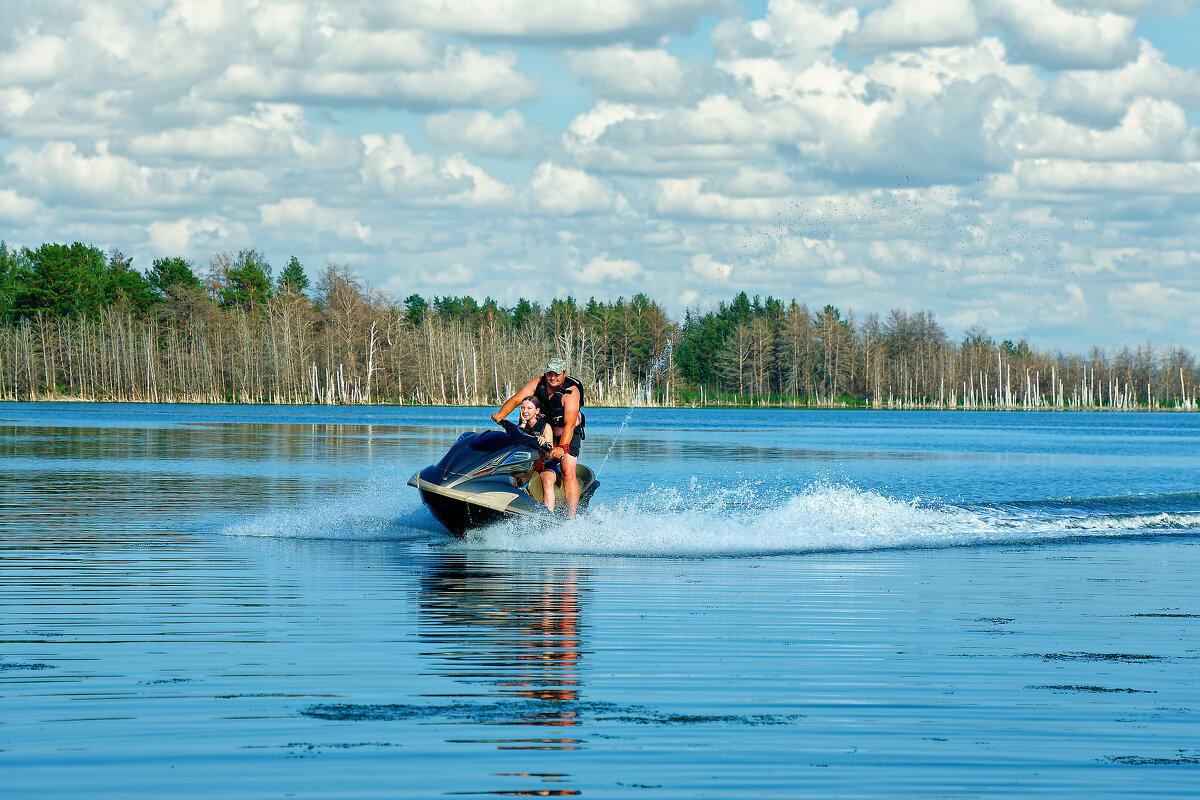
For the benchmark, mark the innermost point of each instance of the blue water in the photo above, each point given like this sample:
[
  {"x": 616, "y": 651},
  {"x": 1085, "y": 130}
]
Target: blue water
[{"x": 246, "y": 601}]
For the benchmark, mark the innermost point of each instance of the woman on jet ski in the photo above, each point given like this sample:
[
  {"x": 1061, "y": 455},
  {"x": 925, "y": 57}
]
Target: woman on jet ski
[{"x": 533, "y": 423}]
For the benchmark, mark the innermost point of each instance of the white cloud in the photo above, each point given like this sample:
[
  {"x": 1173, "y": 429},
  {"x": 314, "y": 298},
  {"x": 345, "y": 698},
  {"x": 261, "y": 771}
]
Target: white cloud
[
  {"x": 851, "y": 276},
  {"x": 552, "y": 19},
  {"x": 272, "y": 51},
  {"x": 750, "y": 181},
  {"x": 1105, "y": 95},
  {"x": 281, "y": 26},
  {"x": 1151, "y": 130},
  {"x": 604, "y": 269},
  {"x": 687, "y": 198},
  {"x": 304, "y": 214},
  {"x": 916, "y": 23},
  {"x": 38, "y": 60},
  {"x": 461, "y": 76},
  {"x": 1073, "y": 306},
  {"x": 805, "y": 30},
  {"x": 271, "y": 132},
  {"x": 566, "y": 191},
  {"x": 202, "y": 16},
  {"x": 1151, "y": 305},
  {"x": 484, "y": 190},
  {"x": 1067, "y": 175},
  {"x": 1054, "y": 37},
  {"x": 1116, "y": 6},
  {"x": 391, "y": 166},
  {"x": 1028, "y": 153},
  {"x": 15, "y": 208},
  {"x": 719, "y": 133},
  {"x": 505, "y": 136},
  {"x": 354, "y": 50},
  {"x": 60, "y": 172},
  {"x": 622, "y": 73},
  {"x": 109, "y": 27},
  {"x": 709, "y": 268},
  {"x": 183, "y": 236}
]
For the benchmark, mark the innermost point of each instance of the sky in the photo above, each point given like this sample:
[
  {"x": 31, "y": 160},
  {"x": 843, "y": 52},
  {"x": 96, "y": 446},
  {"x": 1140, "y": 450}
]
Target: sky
[{"x": 1028, "y": 166}]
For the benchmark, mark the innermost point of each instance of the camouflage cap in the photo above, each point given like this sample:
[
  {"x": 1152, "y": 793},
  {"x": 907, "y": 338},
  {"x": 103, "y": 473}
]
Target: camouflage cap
[{"x": 556, "y": 365}]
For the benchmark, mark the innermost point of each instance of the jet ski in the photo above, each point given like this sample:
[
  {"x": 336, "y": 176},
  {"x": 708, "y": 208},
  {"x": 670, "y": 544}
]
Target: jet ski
[{"x": 488, "y": 476}]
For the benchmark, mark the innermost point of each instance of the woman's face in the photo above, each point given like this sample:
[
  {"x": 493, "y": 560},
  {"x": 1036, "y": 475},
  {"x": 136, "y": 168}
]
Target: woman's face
[{"x": 528, "y": 411}]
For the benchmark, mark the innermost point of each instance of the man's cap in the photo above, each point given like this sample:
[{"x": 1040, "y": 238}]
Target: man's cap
[{"x": 556, "y": 365}]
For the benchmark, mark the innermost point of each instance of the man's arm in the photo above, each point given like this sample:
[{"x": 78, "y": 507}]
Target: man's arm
[
  {"x": 515, "y": 400},
  {"x": 570, "y": 417}
]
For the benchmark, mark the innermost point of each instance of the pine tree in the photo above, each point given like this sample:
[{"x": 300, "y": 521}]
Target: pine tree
[
  {"x": 292, "y": 278},
  {"x": 166, "y": 273},
  {"x": 248, "y": 282}
]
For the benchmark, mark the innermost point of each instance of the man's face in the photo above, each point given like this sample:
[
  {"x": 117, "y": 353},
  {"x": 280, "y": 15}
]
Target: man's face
[{"x": 555, "y": 379}]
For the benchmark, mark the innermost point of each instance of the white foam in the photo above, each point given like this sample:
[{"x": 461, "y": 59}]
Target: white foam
[
  {"x": 751, "y": 518},
  {"x": 383, "y": 509},
  {"x": 1136, "y": 522},
  {"x": 823, "y": 517}
]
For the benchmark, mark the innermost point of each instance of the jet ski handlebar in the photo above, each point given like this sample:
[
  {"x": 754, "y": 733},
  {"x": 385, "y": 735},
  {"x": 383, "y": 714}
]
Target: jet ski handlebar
[{"x": 527, "y": 439}]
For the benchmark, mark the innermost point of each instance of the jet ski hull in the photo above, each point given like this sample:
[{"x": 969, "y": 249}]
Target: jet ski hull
[
  {"x": 458, "y": 516},
  {"x": 485, "y": 478}
]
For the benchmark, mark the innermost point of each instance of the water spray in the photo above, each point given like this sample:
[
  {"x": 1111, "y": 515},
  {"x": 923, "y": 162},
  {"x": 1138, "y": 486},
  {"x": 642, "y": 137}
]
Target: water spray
[
  {"x": 663, "y": 360},
  {"x": 642, "y": 392}
]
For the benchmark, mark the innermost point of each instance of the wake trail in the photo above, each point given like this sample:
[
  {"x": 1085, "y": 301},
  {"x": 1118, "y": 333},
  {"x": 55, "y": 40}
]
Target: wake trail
[
  {"x": 730, "y": 520},
  {"x": 383, "y": 509},
  {"x": 823, "y": 517}
]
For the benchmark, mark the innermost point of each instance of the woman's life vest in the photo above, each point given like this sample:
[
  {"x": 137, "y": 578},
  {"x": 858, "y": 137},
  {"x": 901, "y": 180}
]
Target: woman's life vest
[
  {"x": 540, "y": 429},
  {"x": 552, "y": 402}
]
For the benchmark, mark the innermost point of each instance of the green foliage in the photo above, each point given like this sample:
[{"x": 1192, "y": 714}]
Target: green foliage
[
  {"x": 491, "y": 310},
  {"x": 977, "y": 337},
  {"x": 749, "y": 350},
  {"x": 524, "y": 310},
  {"x": 125, "y": 285},
  {"x": 462, "y": 309},
  {"x": 11, "y": 262},
  {"x": 60, "y": 280},
  {"x": 8, "y": 260},
  {"x": 168, "y": 273},
  {"x": 415, "y": 309},
  {"x": 248, "y": 283},
  {"x": 703, "y": 339},
  {"x": 1019, "y": 350},
  {"x": 292, "y": 278}
]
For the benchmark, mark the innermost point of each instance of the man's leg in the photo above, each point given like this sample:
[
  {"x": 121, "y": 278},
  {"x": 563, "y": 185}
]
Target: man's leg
[{"x": 570, "y": 484}]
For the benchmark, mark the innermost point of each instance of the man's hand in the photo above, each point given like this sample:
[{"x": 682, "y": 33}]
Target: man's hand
[
  {"x": 558, "y": 452},
  {"x": 497, "y": 417}
]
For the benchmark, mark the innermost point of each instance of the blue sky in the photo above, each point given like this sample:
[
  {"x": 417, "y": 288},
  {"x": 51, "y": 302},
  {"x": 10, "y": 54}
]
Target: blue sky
[{"x": 1029, "y": 166}]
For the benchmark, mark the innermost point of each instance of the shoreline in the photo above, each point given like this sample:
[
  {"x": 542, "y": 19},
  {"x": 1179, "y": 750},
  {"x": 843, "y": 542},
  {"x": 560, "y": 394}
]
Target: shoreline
[{"x": 865, "y": 407}]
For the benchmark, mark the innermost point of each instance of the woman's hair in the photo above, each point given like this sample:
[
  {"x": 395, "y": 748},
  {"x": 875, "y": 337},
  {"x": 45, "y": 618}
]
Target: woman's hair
[{"x": 532, "y": 399}]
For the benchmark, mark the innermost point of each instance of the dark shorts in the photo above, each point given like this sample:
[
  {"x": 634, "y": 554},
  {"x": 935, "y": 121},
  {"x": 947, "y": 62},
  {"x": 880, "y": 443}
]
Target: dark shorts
[
  {"x": 555, "y": 464},
  {"x": 576, "y": 438},
  {"x": 574, "y": 448}
]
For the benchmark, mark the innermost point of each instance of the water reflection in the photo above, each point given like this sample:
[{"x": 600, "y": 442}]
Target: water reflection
[
  {"x": 71, "y": 482},
  {"x": 514, "y": 633}
]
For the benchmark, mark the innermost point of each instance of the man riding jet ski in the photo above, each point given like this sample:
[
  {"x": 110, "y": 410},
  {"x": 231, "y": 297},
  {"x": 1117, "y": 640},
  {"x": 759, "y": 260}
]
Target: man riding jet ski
[
  {"x": 560, "y": 397},
  {"x": 489, "y": 476}
]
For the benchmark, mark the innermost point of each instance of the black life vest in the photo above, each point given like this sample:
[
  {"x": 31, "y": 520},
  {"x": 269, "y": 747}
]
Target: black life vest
[
  {"x": 552, "y": 402},
  {"x": 539, "y": 431}
]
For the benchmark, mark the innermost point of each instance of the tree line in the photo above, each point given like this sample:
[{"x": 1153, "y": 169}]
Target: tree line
[{"x": 78, "y": 323}]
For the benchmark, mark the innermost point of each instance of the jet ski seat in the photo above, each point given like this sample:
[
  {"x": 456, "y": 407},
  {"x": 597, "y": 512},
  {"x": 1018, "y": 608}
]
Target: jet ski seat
[{"x": 534, "y": 486}]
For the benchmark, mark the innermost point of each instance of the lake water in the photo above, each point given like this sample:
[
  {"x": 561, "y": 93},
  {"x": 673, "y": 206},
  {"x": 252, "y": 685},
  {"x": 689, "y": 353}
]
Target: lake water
[{"x": 201, "y": 601}]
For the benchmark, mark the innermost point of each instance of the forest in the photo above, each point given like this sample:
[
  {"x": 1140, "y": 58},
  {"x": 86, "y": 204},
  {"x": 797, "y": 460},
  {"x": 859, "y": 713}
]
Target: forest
[{"x": 77, "y": 323}]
